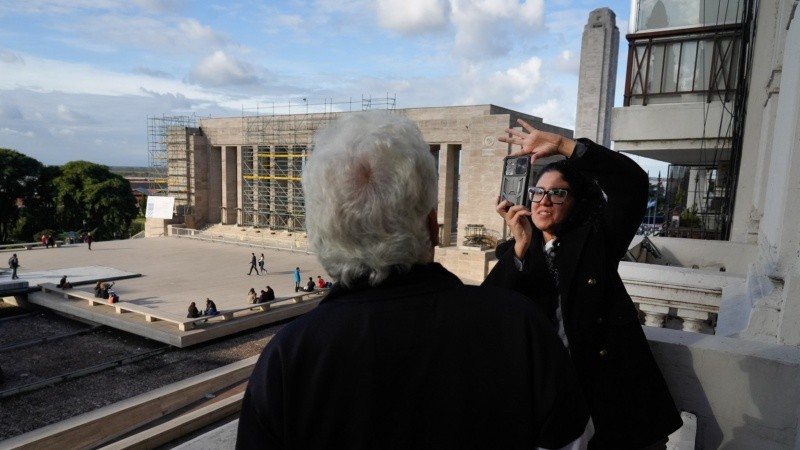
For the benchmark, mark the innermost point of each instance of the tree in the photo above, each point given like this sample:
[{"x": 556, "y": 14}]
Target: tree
[
  {"x": 39, "y": 212},
  {"x": 92, "y": 198},
  {"x": 19, "y": 176}
]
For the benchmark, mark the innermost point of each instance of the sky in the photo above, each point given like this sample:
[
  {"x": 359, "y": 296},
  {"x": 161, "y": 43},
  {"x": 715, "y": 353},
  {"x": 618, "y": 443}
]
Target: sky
[{"x": 80, "y": 78}]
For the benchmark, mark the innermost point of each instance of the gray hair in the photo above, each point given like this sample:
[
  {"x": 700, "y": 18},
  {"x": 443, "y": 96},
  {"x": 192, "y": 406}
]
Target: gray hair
[{"x": 369, "y": 185}]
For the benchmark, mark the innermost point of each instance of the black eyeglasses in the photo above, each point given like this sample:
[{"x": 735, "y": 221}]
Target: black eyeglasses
[{"x": 557, "y": 196}]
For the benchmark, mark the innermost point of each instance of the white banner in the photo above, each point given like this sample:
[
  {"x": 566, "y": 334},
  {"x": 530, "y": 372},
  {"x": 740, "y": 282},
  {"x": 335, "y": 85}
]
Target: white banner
[{"x": 159, "y": 207}]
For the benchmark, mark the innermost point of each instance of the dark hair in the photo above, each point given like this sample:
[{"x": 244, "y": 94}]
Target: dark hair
[{"x": 589, "y": 199}]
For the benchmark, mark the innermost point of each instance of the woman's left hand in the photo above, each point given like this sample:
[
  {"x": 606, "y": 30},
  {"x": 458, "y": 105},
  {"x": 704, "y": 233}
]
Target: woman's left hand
[{"x": 537, "y": 143}]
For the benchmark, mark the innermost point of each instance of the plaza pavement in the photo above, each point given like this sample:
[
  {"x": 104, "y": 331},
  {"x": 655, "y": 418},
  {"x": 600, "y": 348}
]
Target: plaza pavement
[{"x": 174, "y": 271}]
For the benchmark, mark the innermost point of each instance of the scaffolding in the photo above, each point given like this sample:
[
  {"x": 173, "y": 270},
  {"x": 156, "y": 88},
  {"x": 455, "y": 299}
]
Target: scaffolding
[
  {"x": 277, "y": 140},
  {"x": 169, "y": 158}
]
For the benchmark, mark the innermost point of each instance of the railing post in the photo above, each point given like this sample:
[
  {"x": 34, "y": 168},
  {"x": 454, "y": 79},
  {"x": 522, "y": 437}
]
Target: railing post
[
  {"x": 692, "y": 319},
  {"x": 654, "y": 314}
]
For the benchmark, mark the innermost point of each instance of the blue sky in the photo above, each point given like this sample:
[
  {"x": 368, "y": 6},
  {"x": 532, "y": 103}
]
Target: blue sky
[{"x": 79, "y": 78}]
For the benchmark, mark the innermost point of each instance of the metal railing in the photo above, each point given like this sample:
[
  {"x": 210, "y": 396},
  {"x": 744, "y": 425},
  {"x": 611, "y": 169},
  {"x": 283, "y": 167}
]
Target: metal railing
[{"x": 701, "y": 63}]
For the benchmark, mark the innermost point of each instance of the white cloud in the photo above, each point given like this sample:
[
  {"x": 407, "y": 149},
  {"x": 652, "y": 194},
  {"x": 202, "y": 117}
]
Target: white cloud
[
  {"x": 10, "y": 111},
  {"x": 120, "y": 61},
  {"x": 67, "y": 115},
  {"x": 196, "y": 32},
  {"x": 293, "y": 21},
  {"x": 160, "y": 6},
  {"x": 488, "y": 28},
  {"x": 219, "y": 69},
  {"x": 565, "y": 61},
  {"x": 153, "y": 34},
  {"x": 413, "y": 16},
  {"x": 49, "y": 76},
  {"x": 511, "y": 87},
  {"x": 62, "y": 132},
  {"x": 153, "y": 72},
  {"x": 9, "y": 131},
  {"x": 10, "y": 57},
  {"x": 57, "y": 7},
  {"x": 521, "y": 81},
  {"x": 554, "y": 111}
]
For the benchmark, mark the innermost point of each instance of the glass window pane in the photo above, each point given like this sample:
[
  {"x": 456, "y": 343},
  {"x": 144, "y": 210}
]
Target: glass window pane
[
  {"x": 665, "y": 14},
  {"x": 656, "y": 69},
  {"x": 672, "y": 57},
  {"x": 686, "y": 76}
]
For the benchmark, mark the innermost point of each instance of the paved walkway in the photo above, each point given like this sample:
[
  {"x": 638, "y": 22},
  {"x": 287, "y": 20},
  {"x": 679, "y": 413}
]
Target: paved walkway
[{"x": 175, "y": 271}]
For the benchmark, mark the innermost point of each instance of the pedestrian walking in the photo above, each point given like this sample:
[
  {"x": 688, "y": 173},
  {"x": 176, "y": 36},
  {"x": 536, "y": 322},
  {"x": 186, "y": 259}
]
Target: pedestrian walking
[
  {"x": 13, "y": 263},
  {"x": 261, "y": 264},
  {"x": 296, "y": 279},
  {"x": 253, "y": 263},
  {"x": 89, "y": 240}
]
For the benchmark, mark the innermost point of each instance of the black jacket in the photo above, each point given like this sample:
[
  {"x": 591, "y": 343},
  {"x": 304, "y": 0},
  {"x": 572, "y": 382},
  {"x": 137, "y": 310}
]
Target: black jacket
[
  {"x": 627, "y": 395},
  {"x": 421, "y": 361}
]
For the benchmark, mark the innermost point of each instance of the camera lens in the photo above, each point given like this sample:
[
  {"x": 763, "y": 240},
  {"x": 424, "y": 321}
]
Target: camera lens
[{"x": 521, "y": 166}]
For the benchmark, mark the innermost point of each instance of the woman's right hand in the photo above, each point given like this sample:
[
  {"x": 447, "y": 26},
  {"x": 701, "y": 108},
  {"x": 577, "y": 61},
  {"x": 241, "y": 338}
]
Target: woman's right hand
[{"x": 517, "y": 218}]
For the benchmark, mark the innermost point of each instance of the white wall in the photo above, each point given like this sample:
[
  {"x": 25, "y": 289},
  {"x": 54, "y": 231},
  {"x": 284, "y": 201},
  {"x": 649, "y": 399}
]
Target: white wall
[{"x": 745, "y": 394}]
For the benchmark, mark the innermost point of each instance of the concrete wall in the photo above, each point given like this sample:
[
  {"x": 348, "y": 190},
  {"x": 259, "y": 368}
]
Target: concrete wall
[
  {"x": 735, "y": 258},
  {"x": 779, "y": 233},
  {"x": 640, "y": 130},
  {"x": 746, "y": 394},
  {"x": 764, "y": 83},
  {"x": 470, "y": 264}
]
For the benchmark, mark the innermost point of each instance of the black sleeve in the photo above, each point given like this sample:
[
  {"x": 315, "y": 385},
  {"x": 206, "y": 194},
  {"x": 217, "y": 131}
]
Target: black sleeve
[
  {"x": 261, "y": 419},
  {"x": 561, "y": 410},
  {"x": 626, "y": 186},
  {"x": 530, "y": 282}
]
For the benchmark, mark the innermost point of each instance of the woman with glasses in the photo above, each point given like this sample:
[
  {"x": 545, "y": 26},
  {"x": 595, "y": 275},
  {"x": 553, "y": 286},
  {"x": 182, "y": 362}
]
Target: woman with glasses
[{"x": 564, "y": 255}]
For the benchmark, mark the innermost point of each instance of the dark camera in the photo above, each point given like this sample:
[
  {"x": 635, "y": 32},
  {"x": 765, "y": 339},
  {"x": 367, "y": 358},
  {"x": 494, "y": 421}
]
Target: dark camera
[{"x": 516, "y": 175}]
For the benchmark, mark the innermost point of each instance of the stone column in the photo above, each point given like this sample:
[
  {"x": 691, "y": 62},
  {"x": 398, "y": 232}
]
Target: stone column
[
  {"x": 692, "y": 319},
  {"x": 654, "y": 314}
]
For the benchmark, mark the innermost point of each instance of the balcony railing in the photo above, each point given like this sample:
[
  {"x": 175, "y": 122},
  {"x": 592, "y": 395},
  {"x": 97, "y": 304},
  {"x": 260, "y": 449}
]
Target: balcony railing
[{"x": 697, "y": 64}]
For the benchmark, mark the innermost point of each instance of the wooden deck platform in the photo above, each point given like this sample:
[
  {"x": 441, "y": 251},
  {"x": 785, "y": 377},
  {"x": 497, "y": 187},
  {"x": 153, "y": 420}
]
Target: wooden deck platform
[
  {"x": 170, "y": 328},
  {"x": 156, "y": 280}
]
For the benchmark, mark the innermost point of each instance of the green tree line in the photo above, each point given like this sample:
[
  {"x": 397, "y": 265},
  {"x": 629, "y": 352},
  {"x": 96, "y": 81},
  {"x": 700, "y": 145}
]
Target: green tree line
[{"x": 79, "y": 196}]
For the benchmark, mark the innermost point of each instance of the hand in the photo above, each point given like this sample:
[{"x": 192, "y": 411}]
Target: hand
[
  {"x": 538, "y": 144},
  {"x": 518, "y": 219}
]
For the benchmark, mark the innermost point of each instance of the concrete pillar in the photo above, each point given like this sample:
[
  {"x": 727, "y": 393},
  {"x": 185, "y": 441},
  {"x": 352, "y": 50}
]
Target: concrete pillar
[
  {"x": 229, "y": 173},
  {"x": 598, "y": 75},
  {"x": 654, "y": 315},
  {"x": 692, "y": 319},
  {"x": 448, "y": 176},
  {"x": 198, "y": 182},
  {"x": 239, "y": 186},
  {"x": 214, "y": 185}
]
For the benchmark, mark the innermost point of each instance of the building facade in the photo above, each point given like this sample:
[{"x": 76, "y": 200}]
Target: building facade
[{"x": 246, "y": 170}]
